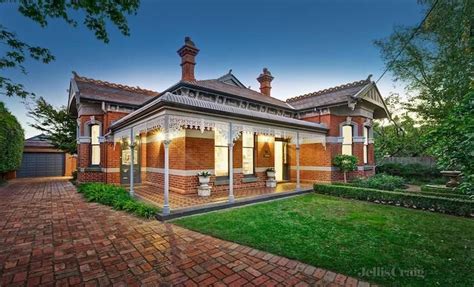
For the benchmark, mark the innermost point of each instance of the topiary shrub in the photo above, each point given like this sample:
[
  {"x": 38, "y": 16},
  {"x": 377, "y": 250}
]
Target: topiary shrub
[
  {"x": 380, "y": 181},
  {"x": 345, "y": 163},
  {"x": 11, "y": 141},
  {"x": 117, "y": 197}
]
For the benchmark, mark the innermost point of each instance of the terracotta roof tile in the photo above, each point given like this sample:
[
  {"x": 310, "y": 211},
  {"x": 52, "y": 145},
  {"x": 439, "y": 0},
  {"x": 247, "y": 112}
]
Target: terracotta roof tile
[{"x": 111, "y": 92}]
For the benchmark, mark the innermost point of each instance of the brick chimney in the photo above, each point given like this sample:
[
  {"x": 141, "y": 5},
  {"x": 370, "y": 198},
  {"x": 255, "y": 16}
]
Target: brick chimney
[
  {"x": 187, "y": 53},
  {"x": 265, "y": 79}
]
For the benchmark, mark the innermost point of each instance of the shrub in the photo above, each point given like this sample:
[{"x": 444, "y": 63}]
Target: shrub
[
  {"x": 11, "y": 141},
  {"x": 380, "y": 181},
  {"x": 345, "y": 163},
  {"x": 438, "y": 204},
  {"x": 117, "y": 197},
  {"x": 428, "y": 188},
  {"x": 411, "y": 172}
]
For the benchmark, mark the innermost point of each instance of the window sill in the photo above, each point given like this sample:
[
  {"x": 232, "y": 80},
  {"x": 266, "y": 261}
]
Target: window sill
[
  {"x": 248, "y": 179},
  {"x": 93, "y": 169},
  {"x": 221, "y": 181}
]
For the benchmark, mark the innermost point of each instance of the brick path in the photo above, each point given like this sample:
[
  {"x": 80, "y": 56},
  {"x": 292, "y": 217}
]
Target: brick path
[
  {"x": 50, "y": 236},
  {"x": 154, "y": 195}
]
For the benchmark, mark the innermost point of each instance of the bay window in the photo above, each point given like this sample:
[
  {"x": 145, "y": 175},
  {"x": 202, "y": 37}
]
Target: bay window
[
  {"x": 347, "y": 140},
  {"x": 248, "y": 144},
  {"x": 95, "y": 145},
  {"x": 221, "y": 155}
]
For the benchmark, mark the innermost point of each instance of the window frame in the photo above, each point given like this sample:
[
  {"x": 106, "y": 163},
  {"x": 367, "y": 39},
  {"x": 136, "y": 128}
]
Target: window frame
[
  {"x": 351, "y": 144},
  {"x": 253, "y": 154},
  {"x": 94, "y": 144},
  {"x": 366, "y": 133},
  {"x": 221, "y": 177}
]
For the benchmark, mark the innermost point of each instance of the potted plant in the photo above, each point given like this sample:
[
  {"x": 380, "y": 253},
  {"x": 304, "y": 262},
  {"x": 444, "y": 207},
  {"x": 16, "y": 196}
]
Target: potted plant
[
  {"x": 204, "y": 189},
  {"x": 271, "y": 172}
]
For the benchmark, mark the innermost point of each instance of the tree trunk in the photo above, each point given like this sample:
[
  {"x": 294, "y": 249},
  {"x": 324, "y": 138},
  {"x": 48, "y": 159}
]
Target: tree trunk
[{"x": 345, "y": 178}]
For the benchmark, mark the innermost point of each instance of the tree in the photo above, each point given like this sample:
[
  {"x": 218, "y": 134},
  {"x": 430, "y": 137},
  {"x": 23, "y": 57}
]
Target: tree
[
  {"x": 58, "y": 126},
  {"x": 435, "y": 61},
  {"x": 345, "y": 163},
  {"x": 403, "y": 136},
  {"x": 96, "y": 14},
  {"x": 11, "y": 141}
]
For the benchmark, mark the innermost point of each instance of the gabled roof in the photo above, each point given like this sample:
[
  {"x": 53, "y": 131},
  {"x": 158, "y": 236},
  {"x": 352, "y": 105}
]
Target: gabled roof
[
  {"x": 229, "y": 84},
  {"x": 331, "y": 96},
  {"x": 110, "y": 92}
]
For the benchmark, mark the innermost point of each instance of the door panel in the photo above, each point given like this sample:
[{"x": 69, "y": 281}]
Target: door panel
[
  {"x": 125, "y": 160},
  {"x": 35, "y": 164}
]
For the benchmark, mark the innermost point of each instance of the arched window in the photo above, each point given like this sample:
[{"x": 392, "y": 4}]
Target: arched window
[
  {"x": 95, "y": 145},
  {"x": 347, "y": 140},
  {"x": 366, "y": 145}
]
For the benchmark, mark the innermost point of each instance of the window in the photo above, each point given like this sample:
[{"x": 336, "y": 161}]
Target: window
[
  {"x": 248, "y": 143},
  {"x": 95, "y": 146},
  {"x": 347, "y": 140},
  {"x": 366, "y": 145},
  {"x": 221, "y": 155}
]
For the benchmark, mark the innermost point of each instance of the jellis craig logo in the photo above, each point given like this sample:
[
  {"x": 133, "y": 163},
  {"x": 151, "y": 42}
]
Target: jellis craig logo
[{"x": 392, "y": 272}]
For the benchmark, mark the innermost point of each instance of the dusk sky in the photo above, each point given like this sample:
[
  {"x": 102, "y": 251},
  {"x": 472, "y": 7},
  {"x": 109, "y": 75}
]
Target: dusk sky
[{"x": 307, "y": 45}]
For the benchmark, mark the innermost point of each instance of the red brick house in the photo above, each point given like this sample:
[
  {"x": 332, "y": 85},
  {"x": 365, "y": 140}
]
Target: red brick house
[{"x": 203, "y": 125}]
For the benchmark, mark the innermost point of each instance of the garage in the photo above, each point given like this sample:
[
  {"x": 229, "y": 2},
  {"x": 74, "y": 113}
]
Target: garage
[
  {"x": 35, "y": 164},
  {"x": 41, "y": 159}
]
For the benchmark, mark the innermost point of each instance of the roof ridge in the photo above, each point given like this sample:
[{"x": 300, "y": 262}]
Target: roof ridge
[
  {"x": 115, "y": 85},
  {"x": 332, "y": 89}
]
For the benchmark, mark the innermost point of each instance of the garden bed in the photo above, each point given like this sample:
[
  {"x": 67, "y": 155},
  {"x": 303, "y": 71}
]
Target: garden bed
[{"x": 116, "y": 197}]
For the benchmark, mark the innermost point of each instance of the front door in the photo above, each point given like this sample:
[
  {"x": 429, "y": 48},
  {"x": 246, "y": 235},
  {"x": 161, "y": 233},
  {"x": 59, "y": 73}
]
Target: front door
[
  {"x": 125, "y": 160},
  {"x": 281, "y": 160}
]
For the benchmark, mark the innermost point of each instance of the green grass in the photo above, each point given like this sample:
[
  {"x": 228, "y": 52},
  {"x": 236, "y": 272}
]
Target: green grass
[
  {"x": 116, "y": 197},
  {"x": 347, "y": 236}
]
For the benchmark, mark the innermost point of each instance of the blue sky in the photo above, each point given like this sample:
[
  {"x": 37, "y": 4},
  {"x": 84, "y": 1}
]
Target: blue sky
[{"x": 307, "y": 45}]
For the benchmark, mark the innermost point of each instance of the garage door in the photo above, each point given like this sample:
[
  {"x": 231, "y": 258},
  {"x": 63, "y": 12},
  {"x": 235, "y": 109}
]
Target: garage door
[{"x": 41, "y": 164}]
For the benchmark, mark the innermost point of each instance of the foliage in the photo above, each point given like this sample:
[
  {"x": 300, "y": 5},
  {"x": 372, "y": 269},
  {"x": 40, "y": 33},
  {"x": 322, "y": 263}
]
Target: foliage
[
  {"x": 96, "y": 14},
  {"x": 270, "y": 169},
  {"x": 452, "y": 142},
  {"x": 380, "y": 181},
  {"x": 58, "y": 126},
  {"x": 437, "y": 194},
  {"x": 347, "y": 236},
  {"x": 117, "y": 197},
  {"x": 404, "y": 136},
  {"x": 452, "y": 206},
  {"x": 345, "y": 163},
  {"x": 430, "y": 188},
  {"x": 436, "y": 65},
  {"x": 204, "y": 174},
  {"x": 411, "y": 172},
  {"x": 11, "y": 141}
]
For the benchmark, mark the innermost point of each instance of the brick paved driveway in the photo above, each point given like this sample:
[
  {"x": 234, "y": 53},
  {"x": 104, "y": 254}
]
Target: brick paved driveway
[{"x": 50, "y": 236}]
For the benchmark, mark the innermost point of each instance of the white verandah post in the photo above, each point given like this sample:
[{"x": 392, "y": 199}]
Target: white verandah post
[
  {"x": 166, "y": 143},
  {"x": 298, "y": 184},
  {"x": 132, "y": 161},
  {"x": 231, "y": 164}
]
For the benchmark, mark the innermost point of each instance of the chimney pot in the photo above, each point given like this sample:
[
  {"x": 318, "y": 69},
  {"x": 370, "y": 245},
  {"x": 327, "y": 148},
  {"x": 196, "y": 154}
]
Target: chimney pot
[
  {"x": 188, "y": 54},
  {"x": 265, "y": 79}
]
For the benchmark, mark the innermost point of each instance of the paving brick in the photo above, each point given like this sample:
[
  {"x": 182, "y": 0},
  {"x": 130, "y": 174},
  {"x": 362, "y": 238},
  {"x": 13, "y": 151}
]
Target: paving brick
[{"x": 77, "y": 243}]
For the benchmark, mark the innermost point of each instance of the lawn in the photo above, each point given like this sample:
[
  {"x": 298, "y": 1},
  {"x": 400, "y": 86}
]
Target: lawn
[{"x": 349, "y": 236}]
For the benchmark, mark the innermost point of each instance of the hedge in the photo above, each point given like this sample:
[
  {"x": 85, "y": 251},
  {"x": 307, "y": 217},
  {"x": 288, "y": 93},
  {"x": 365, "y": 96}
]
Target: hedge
[
  {"x": 438, "y": 194},
  {"x": 11, "y": 141},
  {"x": 452, "y": 206},
  {"x": 117, "y": 197},
  {"x": 427, "y": 188},
  {"x": 412, "y": 171}
]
